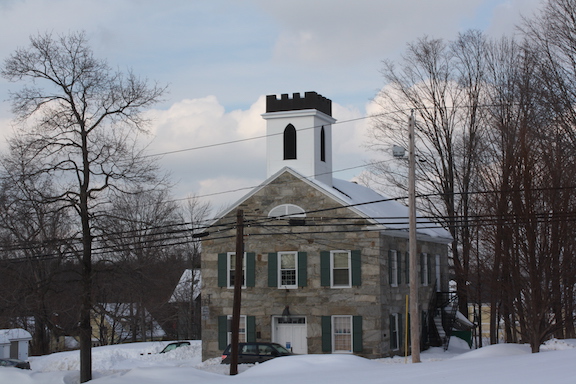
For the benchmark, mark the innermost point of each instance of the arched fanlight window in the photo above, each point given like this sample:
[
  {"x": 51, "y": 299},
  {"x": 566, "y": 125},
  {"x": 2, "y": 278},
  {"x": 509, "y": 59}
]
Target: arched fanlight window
[
  {"x": 322, "y": 144},
  {"x": 287, "y": 210},
  {"x": 290, "y": 142}
]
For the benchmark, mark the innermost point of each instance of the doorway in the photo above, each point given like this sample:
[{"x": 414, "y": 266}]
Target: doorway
[{"x": 291, "y": 332}]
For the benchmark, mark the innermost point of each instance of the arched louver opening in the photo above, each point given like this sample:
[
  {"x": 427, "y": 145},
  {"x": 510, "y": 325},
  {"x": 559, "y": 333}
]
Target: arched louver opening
[
  {"x": 287, "y": 211},
  {"x": 322, "y": 145},
  {"x": 290, "y": 142}
]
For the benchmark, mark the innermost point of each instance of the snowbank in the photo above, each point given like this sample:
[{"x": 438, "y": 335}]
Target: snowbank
[{"x": 140, "y": 363}]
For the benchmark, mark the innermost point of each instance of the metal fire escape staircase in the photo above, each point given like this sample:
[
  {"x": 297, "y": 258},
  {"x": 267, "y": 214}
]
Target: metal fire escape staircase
[{"x": 441, "y": 317}]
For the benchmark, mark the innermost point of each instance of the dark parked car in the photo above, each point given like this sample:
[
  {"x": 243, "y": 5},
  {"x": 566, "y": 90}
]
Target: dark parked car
[
  {"x": 14, "y": 363},
  {"x": 250, "y": 353},
  {"x": 174, "y": 345}
]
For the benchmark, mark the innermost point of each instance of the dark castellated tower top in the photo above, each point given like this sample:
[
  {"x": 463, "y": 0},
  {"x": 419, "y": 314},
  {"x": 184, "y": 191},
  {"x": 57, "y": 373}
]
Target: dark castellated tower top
[
  {"x": 311, "y": 100},
  {"x": 299, "y": 135}
]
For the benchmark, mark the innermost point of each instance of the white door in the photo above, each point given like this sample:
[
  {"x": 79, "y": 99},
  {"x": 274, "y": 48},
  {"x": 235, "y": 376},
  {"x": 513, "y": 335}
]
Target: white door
[{"x": 291, "y": 333}]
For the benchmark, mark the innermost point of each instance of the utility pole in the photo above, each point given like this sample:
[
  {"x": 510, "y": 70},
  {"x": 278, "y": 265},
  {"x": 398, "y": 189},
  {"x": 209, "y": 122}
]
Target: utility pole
[
  {"x": 238, "y": 280},
  {"x": 412, "y": 247}
]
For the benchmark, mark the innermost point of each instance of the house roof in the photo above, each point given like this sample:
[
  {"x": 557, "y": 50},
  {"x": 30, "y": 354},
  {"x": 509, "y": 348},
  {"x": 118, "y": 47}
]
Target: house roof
[
  {"x": 7, "y": 335},
  {"x": 388, "y": 214},
  {"x": 189, "y": 284},
  {"x": 116, "y": 312}
]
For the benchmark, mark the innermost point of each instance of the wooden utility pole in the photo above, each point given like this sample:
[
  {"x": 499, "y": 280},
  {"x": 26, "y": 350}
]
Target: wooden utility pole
[
  {"x": 414, "y": 282},
  {"x": 238, "y": 280}
]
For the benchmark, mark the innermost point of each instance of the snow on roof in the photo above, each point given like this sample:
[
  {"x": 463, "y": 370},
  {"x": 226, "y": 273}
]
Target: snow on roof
[
  {"x": 115, "y": 313},
  {"x": 190, "y": 282},
  {"x": 382, "y": 210},
  {"x": 392, "y": 215},
  {"x": 14, "y": 334}
]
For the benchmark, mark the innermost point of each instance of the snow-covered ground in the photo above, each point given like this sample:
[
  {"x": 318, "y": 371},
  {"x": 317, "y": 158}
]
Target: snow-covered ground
[{"x": 140, "y": 363}]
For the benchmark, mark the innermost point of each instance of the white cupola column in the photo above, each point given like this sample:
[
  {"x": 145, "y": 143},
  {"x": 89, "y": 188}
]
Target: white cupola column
[{"x": 299, "y": 135}]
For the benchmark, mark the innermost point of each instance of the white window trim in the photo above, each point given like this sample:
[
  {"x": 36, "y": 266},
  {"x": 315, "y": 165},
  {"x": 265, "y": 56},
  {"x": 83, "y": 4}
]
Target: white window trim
[
  {"x": 295, "y": 286},
  {"x": 334, "y": 350},
  {"x": 228, "y": 269},
  {"x": 394, "y": 268},
  {"x": 396, "y": 327},
  {"x": 424, "y": 270},
  {"x": 286, "y": 211},
  {"x": 438, "y": 273},
  {"x": 332, "y": 285},
  {"x": 229, "y": 333}
]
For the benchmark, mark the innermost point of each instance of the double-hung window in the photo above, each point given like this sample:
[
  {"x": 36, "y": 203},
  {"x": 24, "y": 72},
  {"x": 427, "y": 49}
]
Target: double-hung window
[
  {"x": 247, "y": 330},
  {"x": 342, "y": 334},
  {"x": 393, "y": 268},
  {"x": 288, "y": 269},
  {"x": 438, "y": 273},
  {"x": 232, "y": 269},
  {"x": 425, "y": 270},
  {"x": 227, "y": 269},
  {"x": 395, "y": 331},
  {"x": 340, "y": 269},
  {"x": 241, "y": 329}
]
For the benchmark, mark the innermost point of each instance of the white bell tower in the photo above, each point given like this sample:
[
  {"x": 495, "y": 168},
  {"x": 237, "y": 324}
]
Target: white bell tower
[{"x": 299, "y": 135}]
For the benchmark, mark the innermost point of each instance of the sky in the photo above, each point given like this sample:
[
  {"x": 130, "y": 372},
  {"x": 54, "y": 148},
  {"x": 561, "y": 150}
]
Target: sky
[
  {"x": 219, "y": 59},
  {"x": 140, "y": 363}
]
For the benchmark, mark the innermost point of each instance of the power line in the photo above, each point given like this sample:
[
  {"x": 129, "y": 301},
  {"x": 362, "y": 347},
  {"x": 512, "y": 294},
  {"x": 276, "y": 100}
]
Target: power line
[
  {"x": 171, "y": 237},
  {"x": 255, "y": 137}
]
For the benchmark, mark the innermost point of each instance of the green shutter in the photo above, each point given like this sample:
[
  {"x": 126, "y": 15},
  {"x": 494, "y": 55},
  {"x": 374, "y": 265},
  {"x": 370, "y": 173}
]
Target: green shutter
[
  {"x": 325, "y": 268},
  {"x": 250, "y": 272},
  {"x": 250, "y": 328},
  {"x": 273, "y": 270},
  {"x": 401, "y": 336},
  {"x": 407, "y": 266},
  {"x": 222, "y": 270},
  {"x": 430, "y": 270},
  {"x": 326, "y": 334},
  {"x": 302, "y": 269},
  {"x": 399, "y": 267},
  {"x": 390, "y": 277},
  {"x": 357, "y": 334},
  {"x": 422, "y": 256},
  {"x": 391, "y": 332},
  {"x": 222, "y": 332},
  {"x": 356, "y": 268}
]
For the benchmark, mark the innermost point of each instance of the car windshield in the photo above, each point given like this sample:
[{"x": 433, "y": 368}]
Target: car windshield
[
  {"x": 172, "y": 346},
  {"x": 281, "y": 349}
]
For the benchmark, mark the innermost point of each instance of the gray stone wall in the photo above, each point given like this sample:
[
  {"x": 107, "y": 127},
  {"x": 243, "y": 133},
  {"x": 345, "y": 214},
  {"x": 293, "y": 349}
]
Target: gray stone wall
[{"x": 328, "y": 227}]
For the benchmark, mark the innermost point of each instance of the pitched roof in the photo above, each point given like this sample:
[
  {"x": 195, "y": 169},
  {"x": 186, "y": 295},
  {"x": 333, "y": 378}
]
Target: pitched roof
[
  {"x": 387, "y": 213},
  {"x": 189, "y": 285},
  {"x": 7, "y": 335}
]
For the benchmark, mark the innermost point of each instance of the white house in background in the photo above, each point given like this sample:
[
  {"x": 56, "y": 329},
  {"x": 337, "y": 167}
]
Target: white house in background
[
  {"x": 188, "y": 288},
  {"x": 186, "y": 300},
  {"x": 14, "y": 343},
  {"x": 115, "y": 322}
]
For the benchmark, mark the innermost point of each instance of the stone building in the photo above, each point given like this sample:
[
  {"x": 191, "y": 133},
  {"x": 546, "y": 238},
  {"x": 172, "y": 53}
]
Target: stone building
[{"x": 326, "y": 262}]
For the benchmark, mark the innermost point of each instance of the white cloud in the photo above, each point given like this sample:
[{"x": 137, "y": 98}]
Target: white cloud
[
  {"x": 216, "y": 149},
  {"x": 227, "y": 149},
  {"x": 239, "y": 51}
]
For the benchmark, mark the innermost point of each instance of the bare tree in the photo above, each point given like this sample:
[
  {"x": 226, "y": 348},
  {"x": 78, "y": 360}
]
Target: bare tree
[
  {"x": 497, "y": 134},
  {"x": 141, "y": 235},
  {"x": 34, "y": 240},
  {"x": 81, "y": 120},
  {"x": 529, "y": 200},
  {"x": 194, "y": 214},
  {"x": 443, "y": 83}
]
